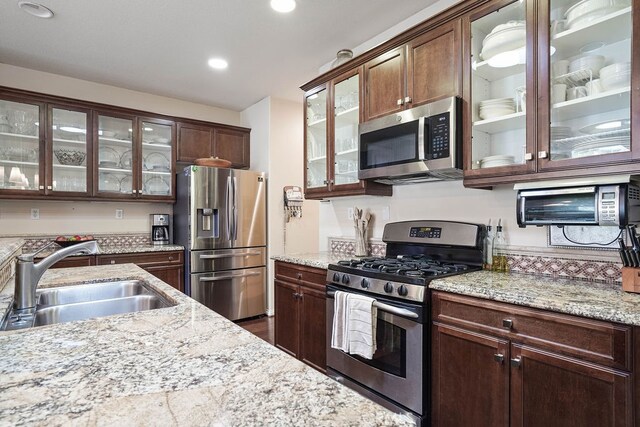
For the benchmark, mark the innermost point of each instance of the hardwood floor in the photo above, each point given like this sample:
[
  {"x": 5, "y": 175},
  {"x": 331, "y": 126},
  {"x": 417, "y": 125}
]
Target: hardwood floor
[{"x": 262, "y": 327}]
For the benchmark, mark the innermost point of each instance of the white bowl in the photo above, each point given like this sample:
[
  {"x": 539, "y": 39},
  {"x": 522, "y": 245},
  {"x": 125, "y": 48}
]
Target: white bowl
[
  {"x": 586, "y": 11},
  {"x": 589, "y": 62},
  {"x": 618, "y": 67},
  {"x": 504, "y": 39}
]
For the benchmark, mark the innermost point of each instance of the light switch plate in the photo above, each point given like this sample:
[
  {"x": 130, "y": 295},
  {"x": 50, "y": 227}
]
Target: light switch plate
[
  {"x": 350, "y": 213},
  {"x": 119, "y": 213}
]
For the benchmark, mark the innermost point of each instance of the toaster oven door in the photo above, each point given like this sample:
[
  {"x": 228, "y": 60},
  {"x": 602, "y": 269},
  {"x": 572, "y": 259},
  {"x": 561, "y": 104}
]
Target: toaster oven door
[{"x": 565, "y": 206}]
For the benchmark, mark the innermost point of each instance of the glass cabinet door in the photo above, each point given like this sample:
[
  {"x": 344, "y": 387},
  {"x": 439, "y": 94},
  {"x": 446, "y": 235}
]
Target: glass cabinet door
[
  {"x": 157, "y": 145},
  {"x": 316, "y": 139},
  {"x": 346, "y": 107},
  {"x": 589, "y": 79},
  {"x": 69, "y": 146},
  {"x": 115, "y": 155},
  {"x": 498, "y": 87},
  {"x": 20, "y": 146}
]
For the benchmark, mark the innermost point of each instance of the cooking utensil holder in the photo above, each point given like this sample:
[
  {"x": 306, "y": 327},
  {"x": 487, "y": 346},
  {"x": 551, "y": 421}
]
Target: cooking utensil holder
[
  {"x": 631, "y": 279},
  {"x": 361, "y": 242}
]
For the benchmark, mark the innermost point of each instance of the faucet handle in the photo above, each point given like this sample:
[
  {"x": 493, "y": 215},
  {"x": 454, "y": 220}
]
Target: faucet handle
[{"x": 30, "y": 257}]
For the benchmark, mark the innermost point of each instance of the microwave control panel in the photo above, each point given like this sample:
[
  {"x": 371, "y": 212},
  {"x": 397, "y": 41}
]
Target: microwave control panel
[{"x": 439, "y": 131}]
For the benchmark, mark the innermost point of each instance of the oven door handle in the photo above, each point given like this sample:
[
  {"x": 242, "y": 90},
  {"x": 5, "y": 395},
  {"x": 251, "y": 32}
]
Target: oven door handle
[{"x": 388, "y": 308}]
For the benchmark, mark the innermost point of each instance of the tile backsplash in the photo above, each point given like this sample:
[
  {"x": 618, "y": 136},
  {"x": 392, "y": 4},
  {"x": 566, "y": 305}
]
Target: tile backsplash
[
  {"x": 33, "y": 243},
  {"x": 596, "y": 267}
]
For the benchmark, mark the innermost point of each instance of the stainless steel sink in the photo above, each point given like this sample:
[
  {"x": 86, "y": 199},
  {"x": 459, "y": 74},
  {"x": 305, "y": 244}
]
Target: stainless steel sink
[{"x": 81, "y": 302}]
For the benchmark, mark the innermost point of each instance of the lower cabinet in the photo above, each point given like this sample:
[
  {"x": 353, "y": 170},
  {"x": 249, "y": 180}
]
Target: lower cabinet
[
  {"x": 495, "y": 364},
  {"x": 300, "y": 312},
  {"x": 75, "y": 261}
]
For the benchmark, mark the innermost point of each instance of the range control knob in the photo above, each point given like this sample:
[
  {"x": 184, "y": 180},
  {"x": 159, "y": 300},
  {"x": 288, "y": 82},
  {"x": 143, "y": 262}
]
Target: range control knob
[
  {"x": 403, "y": 291},
  {"x": 388, "y": 287},
  {"x": 364, "y": 284},
  {"x": 336, "y": 277},
  {"x": 345, "y": 279}
]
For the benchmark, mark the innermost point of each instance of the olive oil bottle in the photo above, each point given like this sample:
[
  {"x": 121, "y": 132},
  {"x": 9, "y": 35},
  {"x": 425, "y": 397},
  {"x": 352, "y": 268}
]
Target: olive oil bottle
[{"x": 499, "y": 258}]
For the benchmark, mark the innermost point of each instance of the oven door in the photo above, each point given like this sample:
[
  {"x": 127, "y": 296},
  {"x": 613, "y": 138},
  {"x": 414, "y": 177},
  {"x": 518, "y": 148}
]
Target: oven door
[{"x": 397, "y": 370}]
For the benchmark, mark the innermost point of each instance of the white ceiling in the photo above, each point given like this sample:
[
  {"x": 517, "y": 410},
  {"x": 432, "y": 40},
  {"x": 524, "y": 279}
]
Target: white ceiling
[{"x": 162, "y": 46}]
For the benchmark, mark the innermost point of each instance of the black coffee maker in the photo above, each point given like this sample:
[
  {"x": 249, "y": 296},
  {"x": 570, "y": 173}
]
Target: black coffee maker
[{"x": 161, "y": 229}]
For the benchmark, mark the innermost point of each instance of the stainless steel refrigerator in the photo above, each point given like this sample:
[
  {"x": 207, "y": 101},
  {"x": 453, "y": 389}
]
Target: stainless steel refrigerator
[{"x": 220, "y": 218}]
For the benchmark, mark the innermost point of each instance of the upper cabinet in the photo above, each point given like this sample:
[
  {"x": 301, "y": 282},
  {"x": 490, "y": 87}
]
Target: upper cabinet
[
  {"x": 424, "y": 70},
  {"x": 565, "y": 111},
  {"x": 332, "y": 116},
  {"x": 196, "y": 141}
]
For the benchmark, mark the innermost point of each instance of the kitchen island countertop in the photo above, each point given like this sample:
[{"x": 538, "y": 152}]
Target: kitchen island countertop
[{"x": 184, "y": 365}]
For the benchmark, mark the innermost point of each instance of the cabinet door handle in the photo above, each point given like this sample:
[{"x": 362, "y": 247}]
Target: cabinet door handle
[
  {"x": 400, "y": 101},
  {"x": 528, "y": 156},
  {"x": 507, "y": 323},
  {"x": 41, "y": 187},
  {"x": 49, "y": 187},
  {"x": 516, "y": 362},
  {"x": 498, "y": 358},
  {"x": 543, "y": 154},
  {"x": 407, "y": 99},
  {"x": 113, "y": 261}
]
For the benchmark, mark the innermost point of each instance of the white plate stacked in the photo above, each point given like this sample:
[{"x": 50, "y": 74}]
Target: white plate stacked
[
  {"x": 560, "y": 132},
  {"x": 616, "y": 76},
  {"x": 592, "y": 63},
  {"x": 614, "y": 144},
  {"x": 498, "y": 107},
  {"x": 496, "y": 161}
]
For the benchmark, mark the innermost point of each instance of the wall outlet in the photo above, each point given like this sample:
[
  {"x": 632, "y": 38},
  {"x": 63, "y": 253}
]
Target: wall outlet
[
  {"x": 386, "y": 213},
  {"x": 119, "y": 213},
  {"x": 35, "y": 213},
  {"x": 350, "y": 213}
]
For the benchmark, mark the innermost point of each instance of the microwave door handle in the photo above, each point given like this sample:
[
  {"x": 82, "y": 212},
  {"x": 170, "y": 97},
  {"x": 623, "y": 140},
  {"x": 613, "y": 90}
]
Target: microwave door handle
[
  {"x": 421, "y": 138},
  {"x": 388, "y": 308}
]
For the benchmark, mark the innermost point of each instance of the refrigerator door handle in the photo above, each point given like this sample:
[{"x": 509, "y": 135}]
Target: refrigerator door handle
[
  {"x": 235, "y": 208},
  {"x": 229, "y": 209},
  {"x": 239, "y": 254},
  {"x": 227, "y": 277}
]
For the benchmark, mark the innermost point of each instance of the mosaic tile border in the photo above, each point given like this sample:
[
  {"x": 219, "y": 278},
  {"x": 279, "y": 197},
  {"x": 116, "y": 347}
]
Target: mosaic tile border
[
  {"x": 33, "y": 243},
  {"x": 543, "y": 263}
]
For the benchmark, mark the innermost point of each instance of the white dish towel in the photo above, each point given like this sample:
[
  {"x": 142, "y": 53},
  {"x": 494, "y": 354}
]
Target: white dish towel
[
  {"x": 362, "y": 319},
  {"x": 340, "y": 332}
]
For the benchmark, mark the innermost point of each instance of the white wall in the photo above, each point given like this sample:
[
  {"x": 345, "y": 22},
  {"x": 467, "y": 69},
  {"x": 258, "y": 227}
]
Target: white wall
[
  {"x": 444, "y": 200},
  {"x": 277, "y": 149},
  {"x": 93, "y": 217}
]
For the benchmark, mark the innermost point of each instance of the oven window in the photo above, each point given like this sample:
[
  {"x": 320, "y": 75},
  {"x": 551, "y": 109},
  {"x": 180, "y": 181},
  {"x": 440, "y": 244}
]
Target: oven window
[
  {"x": 579, "y": 208},
  {"x": 391, "y": 350},
  {"x": 389, "y": 146}
]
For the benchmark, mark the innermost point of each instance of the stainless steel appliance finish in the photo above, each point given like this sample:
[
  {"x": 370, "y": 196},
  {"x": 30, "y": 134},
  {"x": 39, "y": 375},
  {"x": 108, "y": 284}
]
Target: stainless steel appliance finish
[
  {"x": 604, "y": 205},
  {"x": 417, "y": 251},
  {"x": 161, "y": 229},
  {"x": 220, "y": 218},
  {"x": 416, "y": 145}
]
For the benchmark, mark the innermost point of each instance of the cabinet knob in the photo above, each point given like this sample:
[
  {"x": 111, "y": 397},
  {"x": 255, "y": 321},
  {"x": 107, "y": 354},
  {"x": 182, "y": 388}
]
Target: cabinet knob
[
  {"x": 49, "y": 187},
  {"x": 528, "y": 156},
  {"x": 400, "y": 102},
  {"x": 113, "y": 261},
  {"x": 407, "y": 99},
  {"x": 170, "y": 258},
  {"x": 516, "y": 362},
  {"x": 41, "y": 187},
  {"x": 543, "y": 154},
  {"x": 507, "y": 323},
  {"x": 299, "y": 275},
  {"x": 498, "y": 358}
]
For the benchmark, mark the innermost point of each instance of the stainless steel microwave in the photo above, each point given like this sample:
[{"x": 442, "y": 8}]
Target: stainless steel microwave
[
  {"x": 614, "y": 205},
  {"x": 420, "y": 144}
]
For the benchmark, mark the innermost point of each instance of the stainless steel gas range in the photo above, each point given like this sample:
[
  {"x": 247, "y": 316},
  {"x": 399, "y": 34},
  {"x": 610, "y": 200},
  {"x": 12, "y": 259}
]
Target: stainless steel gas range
[{"x": 417, "y": 251}]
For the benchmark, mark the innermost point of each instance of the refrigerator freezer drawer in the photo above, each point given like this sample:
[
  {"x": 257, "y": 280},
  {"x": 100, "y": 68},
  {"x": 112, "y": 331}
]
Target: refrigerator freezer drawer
[
  {"x": 233, "y": 294},
  {"x": 227, "y": 259}
]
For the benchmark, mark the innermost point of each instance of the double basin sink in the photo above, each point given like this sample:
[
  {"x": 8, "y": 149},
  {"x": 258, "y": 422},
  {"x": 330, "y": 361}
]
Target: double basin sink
[{"x": 81, "y": 302}]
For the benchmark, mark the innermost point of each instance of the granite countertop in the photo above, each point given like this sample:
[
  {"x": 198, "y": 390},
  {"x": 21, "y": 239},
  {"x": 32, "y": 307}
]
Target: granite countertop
[
  {"x": 120, "y": 249},
  {"x": 312, "y": 259},
  {"x": 183, "y": 365},
  {"x": 581, "y": 298}
]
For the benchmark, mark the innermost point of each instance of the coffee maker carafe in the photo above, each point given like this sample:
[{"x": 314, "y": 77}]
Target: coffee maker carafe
[{"x": 160, "y": 229}]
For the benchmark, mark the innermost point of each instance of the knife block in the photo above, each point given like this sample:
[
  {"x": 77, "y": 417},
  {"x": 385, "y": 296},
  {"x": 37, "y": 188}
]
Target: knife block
[{"x": 631, "y": 279}]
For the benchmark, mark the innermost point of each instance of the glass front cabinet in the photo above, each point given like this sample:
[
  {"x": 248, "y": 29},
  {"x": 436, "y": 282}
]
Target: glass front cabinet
[
  {"x": 566, "y": 107},
  {"x": 332, "y": 116},
  {"x": 65, "y": 151}
]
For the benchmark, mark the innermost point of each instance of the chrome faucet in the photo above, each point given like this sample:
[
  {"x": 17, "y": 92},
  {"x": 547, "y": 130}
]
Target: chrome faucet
[{"x": 28, "y": 274}]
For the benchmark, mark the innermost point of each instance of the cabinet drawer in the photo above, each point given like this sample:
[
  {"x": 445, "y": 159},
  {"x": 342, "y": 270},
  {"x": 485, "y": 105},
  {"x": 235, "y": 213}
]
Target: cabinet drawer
[
  {"x": 601, "y": 342},
  {"x": 301, "y": 274},
  {"x": 147, "y": 259}
]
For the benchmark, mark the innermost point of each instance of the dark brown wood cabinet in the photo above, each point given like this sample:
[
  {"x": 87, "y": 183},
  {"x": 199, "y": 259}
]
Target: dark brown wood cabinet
[
  {"x": 75, "y": 261},
  {"x": 197, "y": 141},
  {"x": 426, "y": 69},
  {"x": 520, "y": 366},
  {"x": 167, "y": 266},
  {"x": 300, "y": 317}
]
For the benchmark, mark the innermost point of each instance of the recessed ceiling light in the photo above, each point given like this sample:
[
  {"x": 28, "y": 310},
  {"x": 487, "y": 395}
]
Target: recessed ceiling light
[
  {"x": 35, "y": 9},
  {"x": 218, "y": 63},
  {"x": 283, "y": 6}
]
